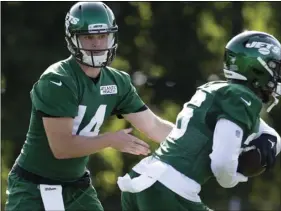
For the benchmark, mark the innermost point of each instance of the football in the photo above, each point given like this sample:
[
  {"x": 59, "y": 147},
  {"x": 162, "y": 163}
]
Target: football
[{"x": 249, "y": 163}]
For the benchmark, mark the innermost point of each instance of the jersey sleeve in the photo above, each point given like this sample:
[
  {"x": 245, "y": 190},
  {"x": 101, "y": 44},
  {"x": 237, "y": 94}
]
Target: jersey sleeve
[
  {"x": 239, "y": 107},
  {"x": 56, "y": 96},
  {"x": 129, "y": 100}
]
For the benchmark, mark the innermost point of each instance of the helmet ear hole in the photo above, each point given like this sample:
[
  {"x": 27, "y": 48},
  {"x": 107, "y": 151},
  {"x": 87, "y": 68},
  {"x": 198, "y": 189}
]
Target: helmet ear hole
[
  {"x": 255, "y": 84},
  {"x": 258, "y": 72}
]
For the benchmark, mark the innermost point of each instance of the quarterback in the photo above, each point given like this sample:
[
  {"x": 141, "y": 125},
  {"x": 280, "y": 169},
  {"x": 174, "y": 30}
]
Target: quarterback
[
  {"x": 70, "y": 102},
  {"x": 220, "y": 120}
]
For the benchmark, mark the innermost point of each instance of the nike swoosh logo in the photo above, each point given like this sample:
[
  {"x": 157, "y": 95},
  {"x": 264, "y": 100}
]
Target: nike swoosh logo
[
  {"x": 272, "y": 143},
  {"x": 58, "y": 84},
  {"x": 248, "y": 103}
]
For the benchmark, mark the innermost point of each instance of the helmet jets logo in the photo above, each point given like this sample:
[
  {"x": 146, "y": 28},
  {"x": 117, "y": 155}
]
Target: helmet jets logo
[
  {"x": 263, "y": 48},
  {"x": 71, "y": 19}
]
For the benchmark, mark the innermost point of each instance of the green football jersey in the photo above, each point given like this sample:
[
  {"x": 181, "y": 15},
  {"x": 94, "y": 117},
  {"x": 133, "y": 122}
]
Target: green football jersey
[
  {"x": 188, "y": 146},
  {"x": 64, "y": 90}
]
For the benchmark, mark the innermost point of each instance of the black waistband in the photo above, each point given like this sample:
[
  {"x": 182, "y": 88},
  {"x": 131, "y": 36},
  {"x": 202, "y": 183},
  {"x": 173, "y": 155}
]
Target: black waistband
[{"x": 82, "y": 182}]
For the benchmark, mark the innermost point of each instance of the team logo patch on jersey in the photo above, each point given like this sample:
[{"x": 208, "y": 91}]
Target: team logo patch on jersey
[{"x": 108, "y": 90}]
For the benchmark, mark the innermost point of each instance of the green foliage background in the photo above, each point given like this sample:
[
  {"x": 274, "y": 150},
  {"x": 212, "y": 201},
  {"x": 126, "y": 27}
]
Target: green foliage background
[{"x": 176, "y": 46}]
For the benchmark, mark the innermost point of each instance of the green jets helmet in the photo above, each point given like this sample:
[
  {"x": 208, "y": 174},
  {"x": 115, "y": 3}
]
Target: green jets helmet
[
  {"x": 87, "y": 18},
  {"x": 255, "y": 57}
]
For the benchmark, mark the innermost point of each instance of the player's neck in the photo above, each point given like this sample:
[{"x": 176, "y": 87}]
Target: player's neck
[{"x": 90, "y": 71}]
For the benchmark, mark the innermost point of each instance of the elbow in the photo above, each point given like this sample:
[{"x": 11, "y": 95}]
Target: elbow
[
  {"x": 60, "y": 155},
  {"x": 59, "y": 152},
  {"x": 226, "y": 185},
  {"x": 218, "y": 169},
  {"x": 224, "y": 173},
  {"x": 60, "y": 149}
]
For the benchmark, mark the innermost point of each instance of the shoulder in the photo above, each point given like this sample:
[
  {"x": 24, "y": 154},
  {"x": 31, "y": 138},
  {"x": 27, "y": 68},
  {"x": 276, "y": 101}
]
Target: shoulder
[
  {"x": 57, "y": 75},
  {"x": 57, "y": 69},
  {"x": 213, "y": 87},
  {"x": 117, "y": 73},
  {"x": 240, "y": 93},
  {"x": 60, "y": 72},
  {"x": 120, "y": 77},
  {"x": 239, "y": 103}
]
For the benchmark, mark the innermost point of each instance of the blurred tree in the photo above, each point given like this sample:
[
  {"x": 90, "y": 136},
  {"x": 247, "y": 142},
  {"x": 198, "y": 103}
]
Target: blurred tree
[{"x": 169, "y": 48}]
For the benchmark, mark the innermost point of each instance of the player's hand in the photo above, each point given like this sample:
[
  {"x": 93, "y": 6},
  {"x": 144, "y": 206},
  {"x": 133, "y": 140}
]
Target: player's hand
[
  {"x": 125, "y": 142},
  {"x": 266, "y": 144}
]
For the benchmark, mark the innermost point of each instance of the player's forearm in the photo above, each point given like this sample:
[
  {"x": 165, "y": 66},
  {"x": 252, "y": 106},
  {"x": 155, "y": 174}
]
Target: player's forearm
[
  {"x": 79, "y": 146},
  {"x": 150, "y": 124},
  {"x": 161, "y": 130}
]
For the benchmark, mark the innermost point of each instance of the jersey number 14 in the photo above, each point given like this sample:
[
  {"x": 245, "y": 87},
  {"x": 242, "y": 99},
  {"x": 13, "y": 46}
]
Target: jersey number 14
[{"x": 96, "y": 121}]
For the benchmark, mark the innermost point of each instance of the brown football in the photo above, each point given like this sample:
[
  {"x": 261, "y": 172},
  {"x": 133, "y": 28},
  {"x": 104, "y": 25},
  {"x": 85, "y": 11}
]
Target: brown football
[{"x": 250, "y": 163}]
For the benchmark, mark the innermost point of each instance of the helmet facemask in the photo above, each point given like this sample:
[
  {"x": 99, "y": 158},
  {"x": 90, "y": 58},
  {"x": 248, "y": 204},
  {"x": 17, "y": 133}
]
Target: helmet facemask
[
  {"x": 93, "y": 57},
  {"x": 270, "y": 87}
]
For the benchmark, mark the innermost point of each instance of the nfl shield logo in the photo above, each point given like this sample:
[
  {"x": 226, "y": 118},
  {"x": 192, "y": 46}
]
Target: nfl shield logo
[{"x": 237, "y": 133}]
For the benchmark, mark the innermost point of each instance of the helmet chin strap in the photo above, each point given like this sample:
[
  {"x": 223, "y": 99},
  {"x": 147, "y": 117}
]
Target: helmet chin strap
[
  {"x": 275, "y": 102},
  {"x": 97, "y": 60},
  {"x": 275, "y": 94}
]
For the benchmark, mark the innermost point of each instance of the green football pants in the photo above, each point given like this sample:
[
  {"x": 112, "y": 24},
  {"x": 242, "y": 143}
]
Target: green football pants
[
  {"x": 25, "y": 196},
  {"x": 158, "y": 197}
]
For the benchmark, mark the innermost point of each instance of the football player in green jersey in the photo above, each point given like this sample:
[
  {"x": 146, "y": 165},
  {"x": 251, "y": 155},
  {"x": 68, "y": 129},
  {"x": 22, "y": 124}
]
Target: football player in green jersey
[
  {"x": 220, "y": 120},
  {"x": 70, "y": 102}
]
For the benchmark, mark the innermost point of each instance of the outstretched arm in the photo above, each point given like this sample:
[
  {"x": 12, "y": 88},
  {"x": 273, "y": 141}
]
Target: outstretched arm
[{"x": 153, "y": 126}]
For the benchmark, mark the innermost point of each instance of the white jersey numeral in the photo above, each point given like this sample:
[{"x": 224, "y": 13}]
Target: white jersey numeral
[
  {"x": 186, "y": 114},
  {"x": 96, "y": 121}
]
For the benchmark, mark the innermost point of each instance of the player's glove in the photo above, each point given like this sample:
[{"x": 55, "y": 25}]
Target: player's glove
[{"x": 267, "y": 146}]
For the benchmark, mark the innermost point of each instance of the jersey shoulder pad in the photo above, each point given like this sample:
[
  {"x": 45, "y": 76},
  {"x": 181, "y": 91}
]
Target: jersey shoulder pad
[
  {"x": 59, "y": 71},
  {"x": 117, "y": 72},
  {"x": 55, "y": 93},
  {"x": 238, "y": 104},
  {"x": 213, "y": 86},
  {"x": 121, "y": 78}
]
